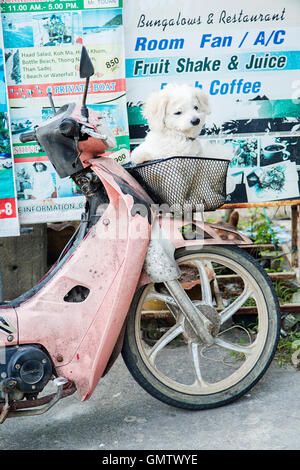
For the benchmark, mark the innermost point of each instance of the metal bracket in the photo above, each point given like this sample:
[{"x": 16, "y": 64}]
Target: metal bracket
[{"x": 14, "y": 410}]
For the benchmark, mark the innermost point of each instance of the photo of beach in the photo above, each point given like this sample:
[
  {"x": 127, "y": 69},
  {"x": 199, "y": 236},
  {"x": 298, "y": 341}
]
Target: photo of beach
[
  {"x": 100, "y": 26},
  {"x": 17, "y": 30}
]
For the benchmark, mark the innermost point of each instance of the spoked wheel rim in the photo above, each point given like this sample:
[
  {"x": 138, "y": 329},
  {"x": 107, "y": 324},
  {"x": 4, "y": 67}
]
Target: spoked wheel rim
[{"x": 179, "y": 359}]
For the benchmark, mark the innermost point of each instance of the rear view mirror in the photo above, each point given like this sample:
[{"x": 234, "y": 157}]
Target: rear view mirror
[{"x": 86, "y": 68}]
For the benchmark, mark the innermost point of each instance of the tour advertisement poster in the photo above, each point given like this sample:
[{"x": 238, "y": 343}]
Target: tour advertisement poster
[
  {"x": 42, "y": 43},
  {"x": 245, "y": 57},
  {"x": 9, "y": 224}
]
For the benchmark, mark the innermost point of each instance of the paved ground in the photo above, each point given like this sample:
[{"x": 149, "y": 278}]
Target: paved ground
[{"x": 122, "y": 416}]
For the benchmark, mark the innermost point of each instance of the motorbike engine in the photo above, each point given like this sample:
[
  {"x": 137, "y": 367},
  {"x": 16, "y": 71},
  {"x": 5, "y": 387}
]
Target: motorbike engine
[{"x": 24, "y": 372}]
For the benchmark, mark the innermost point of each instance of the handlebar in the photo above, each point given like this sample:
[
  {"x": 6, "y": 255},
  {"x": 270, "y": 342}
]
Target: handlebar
[
  {"x": 69, "y": 127},
  {"x": 28, "y": 137}
]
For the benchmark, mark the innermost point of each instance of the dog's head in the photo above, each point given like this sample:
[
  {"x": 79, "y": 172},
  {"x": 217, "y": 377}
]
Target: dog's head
[{"x": 180, "y": 108}]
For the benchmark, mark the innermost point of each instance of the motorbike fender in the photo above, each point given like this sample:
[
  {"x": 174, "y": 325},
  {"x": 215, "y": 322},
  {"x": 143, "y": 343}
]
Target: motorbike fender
[
  {"x": 202, "y": 234},
  {"x": 194, "y": 233}
]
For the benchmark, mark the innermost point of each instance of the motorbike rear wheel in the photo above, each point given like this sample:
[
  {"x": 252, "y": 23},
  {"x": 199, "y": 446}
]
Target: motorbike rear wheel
[{"x": 180, "y": 370}]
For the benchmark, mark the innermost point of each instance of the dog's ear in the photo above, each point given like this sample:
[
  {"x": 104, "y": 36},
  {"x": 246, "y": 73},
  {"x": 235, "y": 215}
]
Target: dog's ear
[
  {"x": 154, "y": 109},
  {"x": 203, "y": 101}
]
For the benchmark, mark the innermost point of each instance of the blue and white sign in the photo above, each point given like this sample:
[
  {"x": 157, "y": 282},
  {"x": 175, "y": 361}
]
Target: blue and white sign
[{"x": 246, "y": 57}]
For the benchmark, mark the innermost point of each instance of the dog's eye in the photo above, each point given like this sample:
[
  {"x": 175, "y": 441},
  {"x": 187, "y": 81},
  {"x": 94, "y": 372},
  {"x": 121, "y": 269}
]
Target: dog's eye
[
  {"x": 177, "y": 113},
  {"x": 196, "y": 108}
]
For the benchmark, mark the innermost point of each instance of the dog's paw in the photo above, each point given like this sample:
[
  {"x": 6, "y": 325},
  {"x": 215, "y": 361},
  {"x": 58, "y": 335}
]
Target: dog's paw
[{"x": 138, "y": 155}]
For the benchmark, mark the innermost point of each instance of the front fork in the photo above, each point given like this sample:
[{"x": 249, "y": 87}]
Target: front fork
[{"x": 161, "y": 267}]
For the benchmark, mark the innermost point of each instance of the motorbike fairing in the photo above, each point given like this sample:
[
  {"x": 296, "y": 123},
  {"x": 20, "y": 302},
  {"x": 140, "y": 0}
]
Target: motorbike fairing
[{"x": 81, "y": 336}]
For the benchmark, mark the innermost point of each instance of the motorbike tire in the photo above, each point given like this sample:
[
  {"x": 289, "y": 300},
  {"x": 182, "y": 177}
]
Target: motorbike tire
[{"x": 200, "y": 390}]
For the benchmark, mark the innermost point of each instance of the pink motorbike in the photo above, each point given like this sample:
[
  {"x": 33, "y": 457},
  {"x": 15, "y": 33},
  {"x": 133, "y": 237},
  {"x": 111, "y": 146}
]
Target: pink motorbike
[{"x": 139, "y": 279}]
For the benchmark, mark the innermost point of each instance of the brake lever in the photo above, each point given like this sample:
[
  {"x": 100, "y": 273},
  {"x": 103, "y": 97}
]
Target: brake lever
[
  {"x": 79, "y": 151},
  {"x": 91, "y": 133}
]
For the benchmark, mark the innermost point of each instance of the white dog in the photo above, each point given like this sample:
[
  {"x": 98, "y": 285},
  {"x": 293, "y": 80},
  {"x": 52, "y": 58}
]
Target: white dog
[{"x": 176, "y": 115}]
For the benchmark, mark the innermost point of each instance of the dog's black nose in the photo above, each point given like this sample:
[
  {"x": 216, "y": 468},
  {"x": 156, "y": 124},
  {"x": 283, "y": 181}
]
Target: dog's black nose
[{"x": 195, "y": 122}]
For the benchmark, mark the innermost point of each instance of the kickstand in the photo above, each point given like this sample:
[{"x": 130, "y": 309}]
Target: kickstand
[{"x": 5, "y": 409}]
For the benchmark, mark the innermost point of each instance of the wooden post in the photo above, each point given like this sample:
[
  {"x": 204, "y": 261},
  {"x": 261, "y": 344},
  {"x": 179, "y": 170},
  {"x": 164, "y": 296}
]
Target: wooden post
[{"x": 23, "y": 260}]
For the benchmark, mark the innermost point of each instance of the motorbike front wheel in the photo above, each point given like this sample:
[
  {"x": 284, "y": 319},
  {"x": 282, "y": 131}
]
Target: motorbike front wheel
[{"x": 166, "y": 357}]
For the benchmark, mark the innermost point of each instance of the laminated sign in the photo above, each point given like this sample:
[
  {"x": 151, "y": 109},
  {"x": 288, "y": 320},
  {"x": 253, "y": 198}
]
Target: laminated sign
[
  {"x": 245, "y": 56},
  {"x": 43, "y": 41},
  {"x": 9, "y": 224}
]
